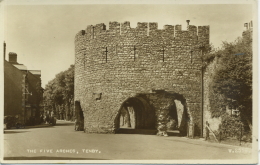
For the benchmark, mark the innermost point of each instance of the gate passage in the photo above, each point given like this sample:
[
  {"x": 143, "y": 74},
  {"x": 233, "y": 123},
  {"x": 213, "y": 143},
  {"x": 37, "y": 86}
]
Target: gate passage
[{"x": 114, "y": 66}]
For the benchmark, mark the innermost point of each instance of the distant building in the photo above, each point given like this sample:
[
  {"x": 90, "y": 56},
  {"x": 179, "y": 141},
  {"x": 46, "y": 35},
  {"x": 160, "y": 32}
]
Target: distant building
[{"x": 22, "y": 90}]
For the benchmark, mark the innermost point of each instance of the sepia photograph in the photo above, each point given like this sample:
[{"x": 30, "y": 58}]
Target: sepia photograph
[{"x": 129, "y": 81}]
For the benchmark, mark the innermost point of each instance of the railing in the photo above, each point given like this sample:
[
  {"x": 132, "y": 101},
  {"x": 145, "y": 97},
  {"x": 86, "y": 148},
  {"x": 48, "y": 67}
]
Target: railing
[{"x": 223, "y": 134}]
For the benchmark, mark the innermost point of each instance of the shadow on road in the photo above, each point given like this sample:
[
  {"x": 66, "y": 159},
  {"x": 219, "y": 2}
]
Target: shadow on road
[
  {"x": 136, "y": 131},
  {"x": 173, "y": 133},
  {"x": 64, "y": 124},
  {"x": 14, "y": 130},
  {"x": 49, "y": 158},
  {"x": 9, "y": 132},
  {"x": 145, "y": 132}
]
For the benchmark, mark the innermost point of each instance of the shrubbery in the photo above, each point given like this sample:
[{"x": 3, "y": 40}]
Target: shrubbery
[
  {"x": 231, "y": 87},
  {"x": 231, "y": 127}
]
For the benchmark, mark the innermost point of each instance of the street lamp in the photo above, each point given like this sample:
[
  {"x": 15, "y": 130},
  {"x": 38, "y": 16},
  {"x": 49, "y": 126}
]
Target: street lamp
[{"x": 202, "y": 48}]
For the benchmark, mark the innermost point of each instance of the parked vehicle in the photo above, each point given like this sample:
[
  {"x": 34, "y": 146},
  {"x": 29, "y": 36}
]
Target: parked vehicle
[
  {"x": 52, "y": 120},
  {"x": 11, "y": 121}
]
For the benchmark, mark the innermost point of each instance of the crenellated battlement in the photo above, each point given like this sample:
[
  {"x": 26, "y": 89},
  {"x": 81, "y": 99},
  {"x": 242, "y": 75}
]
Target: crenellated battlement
[
  {"x": 144, "y": 43},
  {"x": 145, "y": 29},
  {"x": 153, "y": 26},
  {"x": 248, "y": 33},
  {"x": 178, "y": 27}
]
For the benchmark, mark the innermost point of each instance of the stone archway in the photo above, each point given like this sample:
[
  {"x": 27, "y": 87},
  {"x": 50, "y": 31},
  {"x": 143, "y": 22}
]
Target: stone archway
[
  {"x": 162, "y": 111},
  {"x": 171, "y": 112},
  {"x": 178, "y": 117},
  {"x": 135, "y": 113},
  {"x": 128, "y": 117}
]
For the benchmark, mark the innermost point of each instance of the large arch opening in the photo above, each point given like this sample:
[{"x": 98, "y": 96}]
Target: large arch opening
[
  {"x": 163, "y": 112},
  {"x": 136, "y": 116}
]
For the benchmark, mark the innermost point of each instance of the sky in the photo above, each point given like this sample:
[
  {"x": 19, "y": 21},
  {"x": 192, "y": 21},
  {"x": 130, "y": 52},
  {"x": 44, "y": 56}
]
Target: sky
[{"x": 43, "y": 35}]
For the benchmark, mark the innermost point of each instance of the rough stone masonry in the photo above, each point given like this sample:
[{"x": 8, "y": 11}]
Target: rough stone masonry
[{"x": 139, "y": 78}]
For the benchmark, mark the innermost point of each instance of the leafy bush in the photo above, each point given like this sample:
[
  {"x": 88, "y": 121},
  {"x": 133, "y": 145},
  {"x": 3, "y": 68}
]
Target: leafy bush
[
  {"x": 231, "y": 127},
  {"x": 247, "y": 136}
]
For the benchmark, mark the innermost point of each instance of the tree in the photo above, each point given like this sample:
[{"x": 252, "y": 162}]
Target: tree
[
  {"x": 68, "y": 90},
  {"x": 48, "y": 96},
  {"x": 69, "y": 80},
  {"x": 59, "y": 92},
  {"x": 232, "y": 82}
]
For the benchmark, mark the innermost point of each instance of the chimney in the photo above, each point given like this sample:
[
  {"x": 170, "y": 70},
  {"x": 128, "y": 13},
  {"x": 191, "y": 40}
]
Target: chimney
[
  {"x": 188, "y": 22},
  {"x": 4, "y": 49},
  {"x": 246, "y": 25},
  {"x": 250, "y": 24},
  {"x": 13, "y": 58}
]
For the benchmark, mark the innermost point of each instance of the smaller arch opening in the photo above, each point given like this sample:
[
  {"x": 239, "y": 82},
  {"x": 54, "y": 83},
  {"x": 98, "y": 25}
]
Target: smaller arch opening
[
  {"x": 172, "y": 114},
  {"x": 79, "y": 121},
  {"x": 178, "y": 113},
  {"x": 172, "y": 118}
]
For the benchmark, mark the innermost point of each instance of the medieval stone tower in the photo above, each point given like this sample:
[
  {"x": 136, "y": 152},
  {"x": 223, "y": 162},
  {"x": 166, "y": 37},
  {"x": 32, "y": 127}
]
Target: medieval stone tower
[{"x": 129, "y": 77}]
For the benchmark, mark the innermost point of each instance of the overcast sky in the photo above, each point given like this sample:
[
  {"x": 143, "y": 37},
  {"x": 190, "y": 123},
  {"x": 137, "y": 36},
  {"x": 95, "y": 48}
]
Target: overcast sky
[{"x": 43, "y": 35}]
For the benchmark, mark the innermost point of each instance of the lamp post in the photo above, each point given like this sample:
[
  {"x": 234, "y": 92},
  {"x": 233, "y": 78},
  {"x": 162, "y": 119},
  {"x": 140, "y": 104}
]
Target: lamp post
[
  {"x": 202, "y": 48},
  {"x": 4, "y": 49}
]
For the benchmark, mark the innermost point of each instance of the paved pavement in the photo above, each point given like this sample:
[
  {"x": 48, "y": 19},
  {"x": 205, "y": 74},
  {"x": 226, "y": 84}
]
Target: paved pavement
[{"x": 61, "y": 142}]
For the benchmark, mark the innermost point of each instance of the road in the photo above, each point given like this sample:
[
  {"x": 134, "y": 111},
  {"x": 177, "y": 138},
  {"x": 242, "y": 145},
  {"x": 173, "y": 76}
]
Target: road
[{"x": 61, "y": 142}]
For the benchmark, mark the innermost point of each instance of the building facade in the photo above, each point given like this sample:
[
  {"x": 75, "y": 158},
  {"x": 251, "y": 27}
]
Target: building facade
[{"x": 22, "y": 91}]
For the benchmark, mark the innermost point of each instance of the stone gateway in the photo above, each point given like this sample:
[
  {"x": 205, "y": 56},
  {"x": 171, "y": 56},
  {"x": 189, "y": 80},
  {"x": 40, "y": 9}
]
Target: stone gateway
[{"x": 139, "y": 78}]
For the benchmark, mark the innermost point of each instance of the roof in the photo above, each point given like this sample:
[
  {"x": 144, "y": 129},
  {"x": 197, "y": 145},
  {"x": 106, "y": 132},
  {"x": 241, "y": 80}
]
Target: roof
[
  {"x": 35, "y": 72},
  {"x": 20, "y": 66},
  {"x": 12, "y": 53}
]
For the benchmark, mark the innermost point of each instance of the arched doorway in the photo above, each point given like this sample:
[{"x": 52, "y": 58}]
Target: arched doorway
[
  {"x": 135, "y": 114},
  {"x": 131, "y": 114},
  {"x": 172, "y": 115},
  {"x": 173, "y": 119},
  {"x": 178, "y": 117}
]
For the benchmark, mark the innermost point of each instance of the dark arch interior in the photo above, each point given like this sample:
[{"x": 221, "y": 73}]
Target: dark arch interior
[
  {"x": 135, "y": 113},
  {"x": 172, "y": 118},
  {"x": 79, "y": 115},
  {"x": 177, "y": 118},
  {"x": 78, "y": 111}
]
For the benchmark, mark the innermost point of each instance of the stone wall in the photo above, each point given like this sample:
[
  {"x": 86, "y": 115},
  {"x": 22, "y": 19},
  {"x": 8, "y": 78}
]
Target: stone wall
[
  {"x": 208, "y": 74},
  {"x": 116, "y": 64}
]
